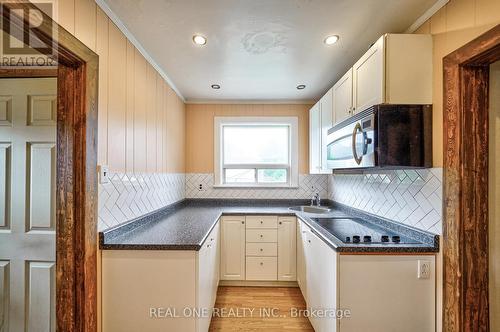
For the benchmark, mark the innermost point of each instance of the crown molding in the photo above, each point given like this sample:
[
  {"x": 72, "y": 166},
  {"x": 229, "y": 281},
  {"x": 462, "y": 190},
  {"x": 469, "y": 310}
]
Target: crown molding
[
  {"x": 427, "y": 15},
  {"x": 251, "y": 102}
]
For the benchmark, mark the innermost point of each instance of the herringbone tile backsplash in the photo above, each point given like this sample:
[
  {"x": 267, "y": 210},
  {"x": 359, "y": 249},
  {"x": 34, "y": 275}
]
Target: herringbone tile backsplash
[
  {"x": 308, "y": 185},
  {"x": 412, "y": 197},
  {"x": 130, "y": 195}
]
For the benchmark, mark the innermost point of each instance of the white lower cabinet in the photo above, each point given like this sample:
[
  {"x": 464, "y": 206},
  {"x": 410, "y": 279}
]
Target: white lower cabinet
[
  {"x": 149, "y": 290},
  {"x": 287, "y": 248},
  {"x": 321, "y": 280},
  {"x": 232, "y": 262},
  {"x": 261, "y": 234},
  {"x": 379, "y": 292},
  {"x": 301, "y": 262},
  {"x": 261, "y": 268},
  {"x": 208, "y": 277},
  {"x": 258, "y": 248}
]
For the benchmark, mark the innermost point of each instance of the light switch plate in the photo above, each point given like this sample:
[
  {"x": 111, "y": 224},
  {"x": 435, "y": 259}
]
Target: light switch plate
[{"x": 103, "y": 174}]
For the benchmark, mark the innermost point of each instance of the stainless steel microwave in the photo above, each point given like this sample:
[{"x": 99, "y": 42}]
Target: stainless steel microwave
[{"x": 384, "y": 136}]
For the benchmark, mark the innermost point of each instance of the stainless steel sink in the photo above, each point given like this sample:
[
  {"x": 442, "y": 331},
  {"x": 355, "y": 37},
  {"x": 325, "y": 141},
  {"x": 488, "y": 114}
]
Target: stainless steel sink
[{"x": 310, "y": 209}]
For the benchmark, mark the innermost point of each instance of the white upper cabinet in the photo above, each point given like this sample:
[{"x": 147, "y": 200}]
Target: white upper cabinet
[
  {"x": 342, "y": 97},
  {"x": 408, "y": 69},
  {"x": 397, "y": 69},
  {"x": 314, "y": 139},
  {"x": 368, "y": 77},
  {"x": 320, "y": 120},
  {"x": 326, "y": 111}
]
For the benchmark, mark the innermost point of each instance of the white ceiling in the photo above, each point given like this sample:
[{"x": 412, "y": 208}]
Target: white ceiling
[{"x": 260, "y": 49}]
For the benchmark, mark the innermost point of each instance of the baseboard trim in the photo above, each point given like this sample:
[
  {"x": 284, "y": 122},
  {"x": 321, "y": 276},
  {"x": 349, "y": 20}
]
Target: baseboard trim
[{"x": 251, "y": 283}]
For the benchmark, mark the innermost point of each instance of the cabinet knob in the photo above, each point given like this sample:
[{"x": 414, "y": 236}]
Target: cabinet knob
[
  {"x": 261, "y": 263},
  {"x": 261, "y": 222},
  {"x": 261, "y": 249},
  {"x": 281, "y": 222},
  {"x": 309, "y": 241},
  {"x": 243, "y": 222},
  {"x": 261, "y": 235}
]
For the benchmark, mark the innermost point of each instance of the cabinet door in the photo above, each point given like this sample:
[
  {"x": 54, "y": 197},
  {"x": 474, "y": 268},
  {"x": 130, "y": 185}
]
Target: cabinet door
[
  {"x": 232, "y": 261},
  {"x": 208, "y": 276},
  {"x": 215, "y": 261},
  {"x": 326, "y": 121},
  {"x": 287, "y": 257},
  {"x": 342, "y": 98},
  {"x": 301, "y": 264},
  {"x": 321, "y": 282},
  {"x": 204, "y": 287},
  {"x": 368, "y": 77},
  {"x": 314, "y": 140}
]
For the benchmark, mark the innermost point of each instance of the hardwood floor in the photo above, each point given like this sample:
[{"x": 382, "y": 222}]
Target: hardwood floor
[{"x": 259, "y": 309}]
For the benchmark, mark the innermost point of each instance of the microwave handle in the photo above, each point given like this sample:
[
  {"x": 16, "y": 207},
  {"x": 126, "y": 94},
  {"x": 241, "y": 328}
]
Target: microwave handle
[{"x": 354, "y": 133}]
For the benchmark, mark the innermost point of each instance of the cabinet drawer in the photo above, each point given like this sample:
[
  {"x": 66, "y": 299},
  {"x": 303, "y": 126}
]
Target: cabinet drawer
[
  {"x": 262, "y": 222},
  {"x": 262, "y": 268},
  {"x": 262, "y": 249},
  {"x": 262, "y": 235}
]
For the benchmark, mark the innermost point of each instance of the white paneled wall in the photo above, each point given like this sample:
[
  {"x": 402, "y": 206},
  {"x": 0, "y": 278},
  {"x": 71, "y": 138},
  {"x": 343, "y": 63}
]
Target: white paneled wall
[
  {"x": 130, "y": 195},
  {"x": 412, "y": 197},
  {"x": 308, "y": 185}
]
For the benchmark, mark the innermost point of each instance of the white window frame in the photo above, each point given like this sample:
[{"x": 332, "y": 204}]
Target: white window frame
[{"x": 293, "y": 148}]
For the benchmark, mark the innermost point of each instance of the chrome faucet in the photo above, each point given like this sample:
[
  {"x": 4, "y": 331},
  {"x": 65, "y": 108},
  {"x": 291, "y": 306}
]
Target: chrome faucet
[{"x": 316, "y": 200}]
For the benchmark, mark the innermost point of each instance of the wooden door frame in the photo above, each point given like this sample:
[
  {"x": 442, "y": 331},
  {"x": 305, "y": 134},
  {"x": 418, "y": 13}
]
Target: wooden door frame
[
  {"x": 76, "y": 183},
  {"x": 465, "y": 233}
]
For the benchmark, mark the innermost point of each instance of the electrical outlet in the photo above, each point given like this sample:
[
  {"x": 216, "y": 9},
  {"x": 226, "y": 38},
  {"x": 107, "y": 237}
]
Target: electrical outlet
[
  {"x": 424, "y": 269},
  {"x": 103, "y": 174},
  {"x": 200, "y": 187}
]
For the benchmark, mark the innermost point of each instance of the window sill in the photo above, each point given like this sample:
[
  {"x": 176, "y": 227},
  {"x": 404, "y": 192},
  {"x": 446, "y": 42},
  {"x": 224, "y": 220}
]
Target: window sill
[{"x": 274, "y": 186}]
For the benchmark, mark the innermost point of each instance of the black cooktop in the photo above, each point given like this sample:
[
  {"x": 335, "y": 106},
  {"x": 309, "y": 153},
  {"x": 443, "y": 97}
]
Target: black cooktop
[{"x": 359, "y": 231}]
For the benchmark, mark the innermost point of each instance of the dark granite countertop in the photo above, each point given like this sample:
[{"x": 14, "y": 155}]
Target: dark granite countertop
[{"x": 186, "y": 225}]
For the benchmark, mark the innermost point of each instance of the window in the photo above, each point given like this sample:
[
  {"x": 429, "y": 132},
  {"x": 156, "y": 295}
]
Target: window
[{"x": 256, "y": 151}]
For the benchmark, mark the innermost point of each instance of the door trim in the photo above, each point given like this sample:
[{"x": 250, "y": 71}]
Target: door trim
[
  {"x": 76, "y": 183},
  {"x": 465, "y": 232}
]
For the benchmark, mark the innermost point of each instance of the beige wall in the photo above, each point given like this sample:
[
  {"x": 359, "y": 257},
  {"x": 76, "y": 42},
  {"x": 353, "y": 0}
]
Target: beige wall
[
  {"x": 452, "y": 26},
  {"x": 200, "y": 130},
  {"x": 141, "y": 119},
  {"x": 494, "y": 196}
]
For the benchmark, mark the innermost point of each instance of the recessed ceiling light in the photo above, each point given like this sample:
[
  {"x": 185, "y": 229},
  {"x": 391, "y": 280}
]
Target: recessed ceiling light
[
  {"x": 301, "y": 87},
  {"x": 215, "y": 86},
  {"x": 330, "y": 40},
  {"x": 199, "y": 40}
]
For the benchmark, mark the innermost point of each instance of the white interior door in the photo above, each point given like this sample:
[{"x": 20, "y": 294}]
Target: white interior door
[{"x": 27, "y": 204}]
